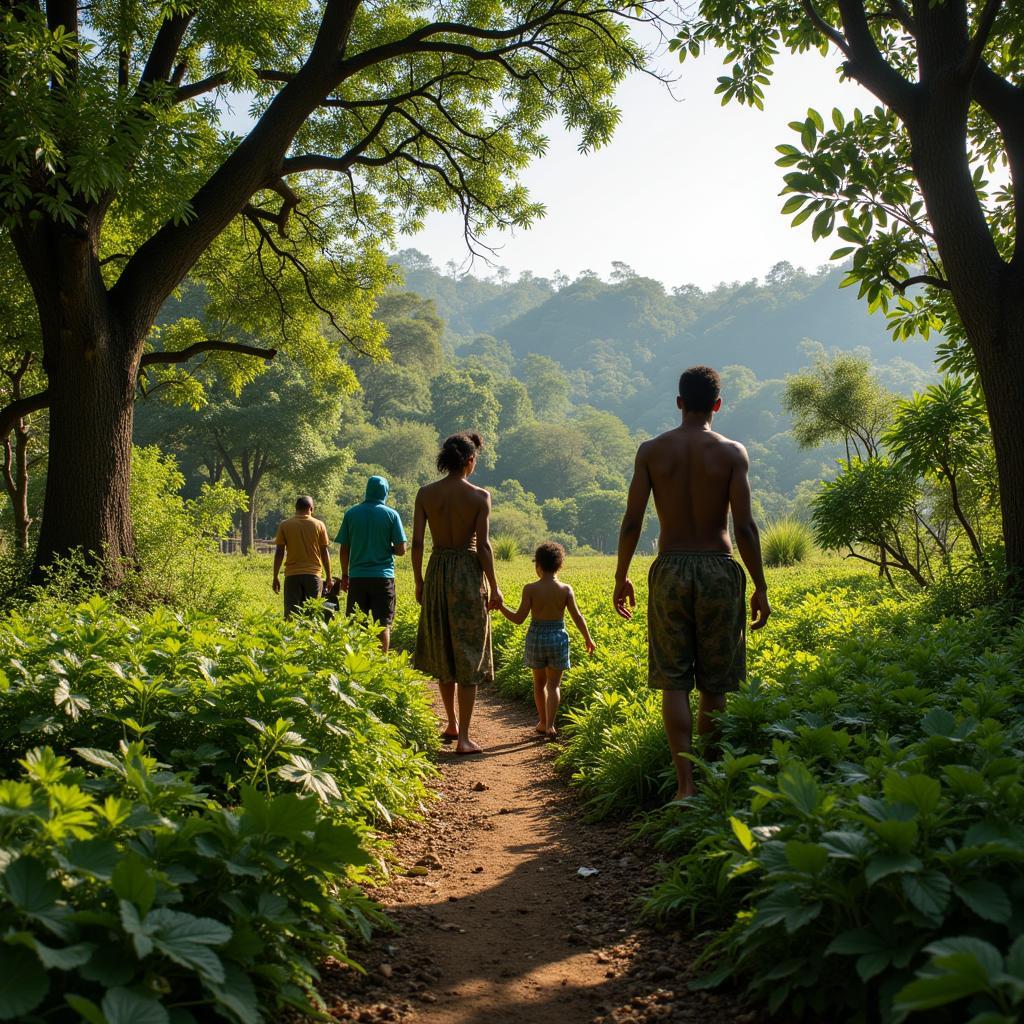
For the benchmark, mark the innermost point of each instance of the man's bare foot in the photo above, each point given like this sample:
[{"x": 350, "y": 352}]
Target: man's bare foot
[
  {"x": 551, "y": 733},
  {"x": 684, "y": 794},
  {"x": 450, "y": 733},
  {"x": 468, "y": 747},
  {"x": 541, "y": 728}
]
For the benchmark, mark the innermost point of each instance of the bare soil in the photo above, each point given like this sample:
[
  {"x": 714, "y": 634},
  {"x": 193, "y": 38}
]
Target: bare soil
[{"x": 496, "y": 924}]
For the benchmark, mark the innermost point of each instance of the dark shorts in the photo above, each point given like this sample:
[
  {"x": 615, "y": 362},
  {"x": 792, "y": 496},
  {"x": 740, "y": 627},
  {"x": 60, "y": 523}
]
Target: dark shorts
[
  {"x": 298, "y": 589},
  {"x": 375, "y": 597},
  {"x": 696, "y": 617}
]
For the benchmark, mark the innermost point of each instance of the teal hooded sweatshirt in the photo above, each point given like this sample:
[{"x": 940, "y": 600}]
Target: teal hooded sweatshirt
[{"x": 370, "y": 529}]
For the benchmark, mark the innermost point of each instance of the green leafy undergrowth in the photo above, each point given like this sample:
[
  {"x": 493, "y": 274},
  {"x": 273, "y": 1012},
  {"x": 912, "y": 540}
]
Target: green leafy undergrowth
[
  {"x": 127, "y": 895},
  {"x": 187, "y": 808},
  {"x": 859, "y": 851},
  {"x": 304, "y": 705}
]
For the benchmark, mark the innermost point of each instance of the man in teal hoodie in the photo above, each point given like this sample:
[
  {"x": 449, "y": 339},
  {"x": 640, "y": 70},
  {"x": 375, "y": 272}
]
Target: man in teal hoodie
[{"x": 370, "y": 536}]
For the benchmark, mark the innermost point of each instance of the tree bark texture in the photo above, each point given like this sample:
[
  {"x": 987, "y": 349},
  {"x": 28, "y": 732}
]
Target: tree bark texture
[{"x": 91, "y": 360}]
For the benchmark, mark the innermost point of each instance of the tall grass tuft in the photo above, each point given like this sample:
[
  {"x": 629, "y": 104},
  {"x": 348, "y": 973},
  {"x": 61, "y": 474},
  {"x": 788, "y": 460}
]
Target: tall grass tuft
[
  {"x": 786, "y": 542},
  {"x": 505, "y": 547}
]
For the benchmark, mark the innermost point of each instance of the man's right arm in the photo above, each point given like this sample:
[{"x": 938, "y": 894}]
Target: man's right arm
[
  {"x": 748, "y": 539},
  {"x": 278, "y": 559},
  {"x": 624, "y": 597}
]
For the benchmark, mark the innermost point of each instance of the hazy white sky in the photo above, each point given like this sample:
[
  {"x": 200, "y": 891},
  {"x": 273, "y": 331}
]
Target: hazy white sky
[{"x": 686, "y": 192}]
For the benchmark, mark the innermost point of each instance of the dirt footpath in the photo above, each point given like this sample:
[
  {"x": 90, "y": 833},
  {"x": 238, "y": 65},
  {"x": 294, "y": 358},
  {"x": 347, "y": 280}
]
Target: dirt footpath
[{"x": 496, "y": 924}]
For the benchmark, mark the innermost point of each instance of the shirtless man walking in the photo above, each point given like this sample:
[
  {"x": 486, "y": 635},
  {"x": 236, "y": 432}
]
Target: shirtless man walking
[
  {"x": 453, "y": 642},
  {"x": 695, "y": 611}
]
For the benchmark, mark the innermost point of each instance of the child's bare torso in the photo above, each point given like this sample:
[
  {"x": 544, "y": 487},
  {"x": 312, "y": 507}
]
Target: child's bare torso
[{"x": 548, "y": 598}]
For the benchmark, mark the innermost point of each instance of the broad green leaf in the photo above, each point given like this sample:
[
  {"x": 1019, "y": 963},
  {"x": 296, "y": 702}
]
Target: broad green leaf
[
  {"x": 85, "y": 1008},
  {"x": 141, "y": 934},
  {"x": 807, "y": 857},
  {"x": 986, "y": 899},
  {"x": 132, "y": 881},
  {"x": 109, "y": 967},
  {"x": 23, "y": 982},
  {"x": 920, "y": 791},
  {"x": 846, "y": 845},
  {"x": 96, "y": 857},
  {"x": 965, "y": 952},
  {"x": 884, "y": 864},
  {"x": 799, "y": 786},
  {"x": 1015, "y": 958},
  {"x": 742, "y": 832},
  {"x": 125, "y": 1006},
  {"x": 66, "y": 959},
  {"x": 238, "y": 995},
  {"x": 28, "y": 886},
  {"x": 857, "y": 941},
  {"x": 101, "y": 758},
  {"x": 938, "y": 722},
  {"x": 937, "y": 990},
  {"x": 928, "y": 891}
]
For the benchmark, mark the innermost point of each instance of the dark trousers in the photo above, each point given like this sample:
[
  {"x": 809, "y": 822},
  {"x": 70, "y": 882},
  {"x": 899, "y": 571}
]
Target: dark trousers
[{"x": 298, "y": 589}]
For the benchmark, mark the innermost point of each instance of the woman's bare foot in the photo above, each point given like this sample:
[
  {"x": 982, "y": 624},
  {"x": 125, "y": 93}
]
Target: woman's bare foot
[
  {"x": 684, "y": 794},
  {"x": 551, "y": 733},
  {"x": 541, "y": 728},
  {"x": 450, "y": 733},
  {"x": 468, "y": 747}
]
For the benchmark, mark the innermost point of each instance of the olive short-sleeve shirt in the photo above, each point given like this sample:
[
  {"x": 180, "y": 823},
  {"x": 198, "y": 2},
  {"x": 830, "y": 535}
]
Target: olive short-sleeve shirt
[{"x": 303, "y": 539}]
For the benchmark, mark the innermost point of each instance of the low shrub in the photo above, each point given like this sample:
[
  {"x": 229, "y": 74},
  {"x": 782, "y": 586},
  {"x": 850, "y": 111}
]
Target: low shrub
[
  {"x": 786, "y": 542},
  {"x": 128, "y": 895},
  {"x": 868, "y": 819},
  {"x": 188, "y": 804},
  {"x": 505, "y": 547}
]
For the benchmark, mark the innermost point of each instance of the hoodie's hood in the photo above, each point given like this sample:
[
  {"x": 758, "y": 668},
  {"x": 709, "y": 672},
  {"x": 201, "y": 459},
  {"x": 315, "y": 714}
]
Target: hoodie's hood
[{"x": 376, "y": 489}]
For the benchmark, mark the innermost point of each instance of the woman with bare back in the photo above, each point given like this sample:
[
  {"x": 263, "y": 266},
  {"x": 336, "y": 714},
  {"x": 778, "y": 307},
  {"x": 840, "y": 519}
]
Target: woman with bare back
[{"x": 453, "y": 643}]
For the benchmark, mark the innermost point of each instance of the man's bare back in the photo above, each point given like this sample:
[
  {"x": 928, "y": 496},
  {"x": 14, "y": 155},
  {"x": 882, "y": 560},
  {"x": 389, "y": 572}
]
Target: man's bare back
[{"x": 690, "y": 471}]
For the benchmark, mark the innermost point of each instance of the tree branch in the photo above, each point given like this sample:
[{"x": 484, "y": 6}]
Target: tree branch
[
  {"x": 977, "y": 44},
  {"x": 164, "y": 52},
  {"x": 215, "y": 81},
  {"x": 824, "y": 27},
  {"x": 210, "y": 345},
  {"x": 867, "y": 65},
  {"x": 14, "y": 411},
  {"x": 928, "y": 279}
]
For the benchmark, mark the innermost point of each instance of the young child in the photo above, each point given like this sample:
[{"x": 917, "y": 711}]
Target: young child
[{"x": 547, "y": 642}]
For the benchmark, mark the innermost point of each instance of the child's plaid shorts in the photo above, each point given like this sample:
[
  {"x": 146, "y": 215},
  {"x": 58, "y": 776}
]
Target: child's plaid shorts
[{"x": 547, "y": 645}]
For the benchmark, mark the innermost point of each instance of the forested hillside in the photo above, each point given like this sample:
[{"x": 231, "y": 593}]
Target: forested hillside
[{"x": 562, "y": 377}]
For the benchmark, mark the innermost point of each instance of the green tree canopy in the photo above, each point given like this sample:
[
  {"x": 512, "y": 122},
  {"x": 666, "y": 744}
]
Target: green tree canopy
[
  {"x": 838, "y": 399},
  {"x": 119, "y": 180},
  {"x": 546, "y": 384}
]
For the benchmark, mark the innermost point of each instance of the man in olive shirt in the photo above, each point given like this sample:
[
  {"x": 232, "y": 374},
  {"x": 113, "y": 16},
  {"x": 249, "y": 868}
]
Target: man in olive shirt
[{"x": 304, "y": 541}]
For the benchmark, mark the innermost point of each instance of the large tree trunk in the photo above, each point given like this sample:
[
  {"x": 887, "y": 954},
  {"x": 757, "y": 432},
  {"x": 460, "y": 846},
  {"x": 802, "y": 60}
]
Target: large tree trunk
[
  {"x": 87, "y": 508},
  {"x": 988, "y": 291}
]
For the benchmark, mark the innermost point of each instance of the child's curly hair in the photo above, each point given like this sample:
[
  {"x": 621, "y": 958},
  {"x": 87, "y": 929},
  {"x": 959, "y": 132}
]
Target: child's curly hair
[{"x": 549, "y": 556}]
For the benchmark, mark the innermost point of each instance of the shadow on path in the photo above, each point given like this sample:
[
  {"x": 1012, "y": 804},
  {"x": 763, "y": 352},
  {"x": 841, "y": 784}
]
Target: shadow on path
[{"x": 502, "y": 928}]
